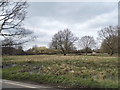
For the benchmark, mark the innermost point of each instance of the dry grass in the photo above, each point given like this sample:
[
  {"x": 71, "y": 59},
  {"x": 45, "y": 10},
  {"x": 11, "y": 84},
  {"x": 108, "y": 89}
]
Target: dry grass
[
  {"x": 57, "y": 57},
  {"x": 97, "y": 68}
]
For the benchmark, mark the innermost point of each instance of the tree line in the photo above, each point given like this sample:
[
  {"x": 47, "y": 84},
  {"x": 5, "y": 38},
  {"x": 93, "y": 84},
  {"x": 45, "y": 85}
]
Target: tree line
[{"x": 64, "y": 42}]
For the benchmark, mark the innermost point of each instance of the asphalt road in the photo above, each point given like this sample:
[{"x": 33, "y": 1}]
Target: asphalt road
[{"x": 14, "y": 84}]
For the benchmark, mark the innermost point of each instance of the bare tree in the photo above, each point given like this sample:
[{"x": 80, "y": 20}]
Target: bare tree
[
  {"x": 109, "y": 38},
  {"x": 64, "y": 41},
  {"x": 7, "y": 42},
  {"x": 12, "y": 15},
  {"x": 87, "y": 42}
]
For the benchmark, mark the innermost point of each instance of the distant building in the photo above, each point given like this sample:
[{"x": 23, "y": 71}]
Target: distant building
[{"x": 94, "y": 53}]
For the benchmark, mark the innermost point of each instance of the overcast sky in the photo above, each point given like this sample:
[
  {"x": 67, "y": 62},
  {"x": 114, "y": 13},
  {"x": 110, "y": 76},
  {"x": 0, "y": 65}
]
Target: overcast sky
[{"x": 82, "y": 18}]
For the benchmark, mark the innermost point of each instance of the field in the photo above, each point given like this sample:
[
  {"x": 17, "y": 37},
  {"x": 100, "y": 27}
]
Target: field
[{"x": 63, "y": 71}]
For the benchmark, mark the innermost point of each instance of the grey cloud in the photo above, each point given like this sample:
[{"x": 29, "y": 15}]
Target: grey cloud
[{"x": 70, "y": 12}]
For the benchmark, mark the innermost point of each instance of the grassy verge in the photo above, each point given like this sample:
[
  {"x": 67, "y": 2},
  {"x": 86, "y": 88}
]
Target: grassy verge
[
  {"x": 0, "y": 73},
  {"x": 68, "y": 71}
]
